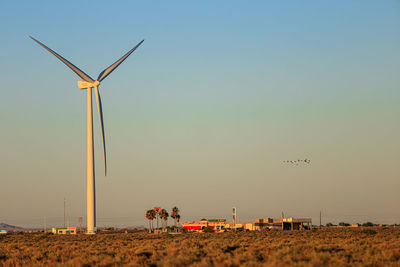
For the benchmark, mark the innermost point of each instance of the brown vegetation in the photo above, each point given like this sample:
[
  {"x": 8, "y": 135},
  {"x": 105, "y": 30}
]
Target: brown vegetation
[{"x": 375, "y": 246}]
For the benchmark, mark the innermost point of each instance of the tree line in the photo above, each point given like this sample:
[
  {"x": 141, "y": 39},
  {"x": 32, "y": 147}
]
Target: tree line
[{"x": 156, "y": 213}]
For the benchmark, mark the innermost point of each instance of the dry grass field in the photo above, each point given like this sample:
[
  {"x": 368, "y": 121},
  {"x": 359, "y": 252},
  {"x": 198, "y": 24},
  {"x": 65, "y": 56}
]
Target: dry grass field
[{"x": 324, "y": 247}]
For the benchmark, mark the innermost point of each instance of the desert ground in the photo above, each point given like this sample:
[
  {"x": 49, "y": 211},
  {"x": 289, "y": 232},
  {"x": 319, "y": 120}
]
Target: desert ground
[{"x": 364, "y": 246}]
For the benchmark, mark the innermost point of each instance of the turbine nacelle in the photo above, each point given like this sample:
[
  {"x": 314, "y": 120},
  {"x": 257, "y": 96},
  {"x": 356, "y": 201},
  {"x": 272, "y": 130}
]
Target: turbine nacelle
[{"x": 86, "y": 85}]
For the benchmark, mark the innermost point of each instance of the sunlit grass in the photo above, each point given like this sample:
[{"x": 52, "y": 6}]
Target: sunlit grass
[{"x": 330, "y": 246}]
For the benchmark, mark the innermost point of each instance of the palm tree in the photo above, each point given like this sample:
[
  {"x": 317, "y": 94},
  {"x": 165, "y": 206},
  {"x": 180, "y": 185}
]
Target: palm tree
[
  {"x": 164, "y": 217},
  {"x": 150, "y": 216},
  {"x": 175, "y": 215},
  {"x": 153, "y": 215},
  {"x": 157, "y": 212}
]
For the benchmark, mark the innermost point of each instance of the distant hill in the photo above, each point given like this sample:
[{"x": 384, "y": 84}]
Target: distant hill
[{"x": 9, "y": 227}]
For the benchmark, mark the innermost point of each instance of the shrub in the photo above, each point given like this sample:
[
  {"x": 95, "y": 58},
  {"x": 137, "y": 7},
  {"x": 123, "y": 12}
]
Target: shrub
[
  {"x": 368, "y": 224},
  {"x": 369, "y": 231},
  {"x": 208, "y": 229},
  {"x": 328, "y": 246}
]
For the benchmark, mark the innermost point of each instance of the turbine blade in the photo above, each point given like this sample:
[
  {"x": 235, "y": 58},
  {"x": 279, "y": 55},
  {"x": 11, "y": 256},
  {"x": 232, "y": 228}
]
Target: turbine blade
[
  {"x": 66, "y": 62},
  {"x": 112, "y": 67},
  {"x": 100, "y": 109}
]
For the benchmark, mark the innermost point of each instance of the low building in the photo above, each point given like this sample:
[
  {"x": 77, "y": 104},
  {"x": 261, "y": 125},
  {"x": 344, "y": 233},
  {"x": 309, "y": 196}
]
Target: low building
[
  {"x": 64, "y": 231},
  {"x": 283, "y": 223},
  {"x": 248, "y": 226},
  {"x": 219, "y": 225}
]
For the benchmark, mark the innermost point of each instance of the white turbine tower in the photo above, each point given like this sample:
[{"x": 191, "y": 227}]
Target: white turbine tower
[{"x": 88, "y": 83}]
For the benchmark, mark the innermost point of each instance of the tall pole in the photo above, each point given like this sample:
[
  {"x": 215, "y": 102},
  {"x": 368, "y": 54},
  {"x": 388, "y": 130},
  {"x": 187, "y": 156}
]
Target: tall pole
[
  {"x": 64, "y": 212},
  {"x": 234, "y": 218},
  {"x": 320, "y": 219},
  {"x": 80, "y": 224},
  {"x": 44, "y": 228},
  {"x": 91, "y": 197}
]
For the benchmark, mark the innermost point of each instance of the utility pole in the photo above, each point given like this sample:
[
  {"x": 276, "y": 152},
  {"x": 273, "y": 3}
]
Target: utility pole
[
  {"x": 157, "y": 223},
  {"x": 80, "y": 224},
  {"x": 44, "y": 227},
  {"x": 234, "y": 218},
  {"x": 320, "y": 219},
  {"x": 64, "y": 212}
]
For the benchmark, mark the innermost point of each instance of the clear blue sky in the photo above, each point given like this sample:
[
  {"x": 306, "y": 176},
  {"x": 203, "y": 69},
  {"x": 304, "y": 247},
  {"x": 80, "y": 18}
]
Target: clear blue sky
[{"x": 204, "y": 113}]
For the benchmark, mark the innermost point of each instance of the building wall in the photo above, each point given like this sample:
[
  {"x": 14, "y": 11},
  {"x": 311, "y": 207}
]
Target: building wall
[
  {"x": 283, "y": 223},
  {"x": 217, "y": 225},
  {"x": 63, "y": 231}
]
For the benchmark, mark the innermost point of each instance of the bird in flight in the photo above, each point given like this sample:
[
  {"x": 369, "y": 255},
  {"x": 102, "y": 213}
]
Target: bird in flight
[{"x": 298, "y": 161}]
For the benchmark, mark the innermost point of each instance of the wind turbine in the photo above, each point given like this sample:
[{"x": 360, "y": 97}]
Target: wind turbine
[{"x": 88, "y": 83}]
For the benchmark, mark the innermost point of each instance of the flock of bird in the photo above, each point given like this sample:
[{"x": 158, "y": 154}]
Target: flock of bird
[{"x": 297, "y": 162}]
